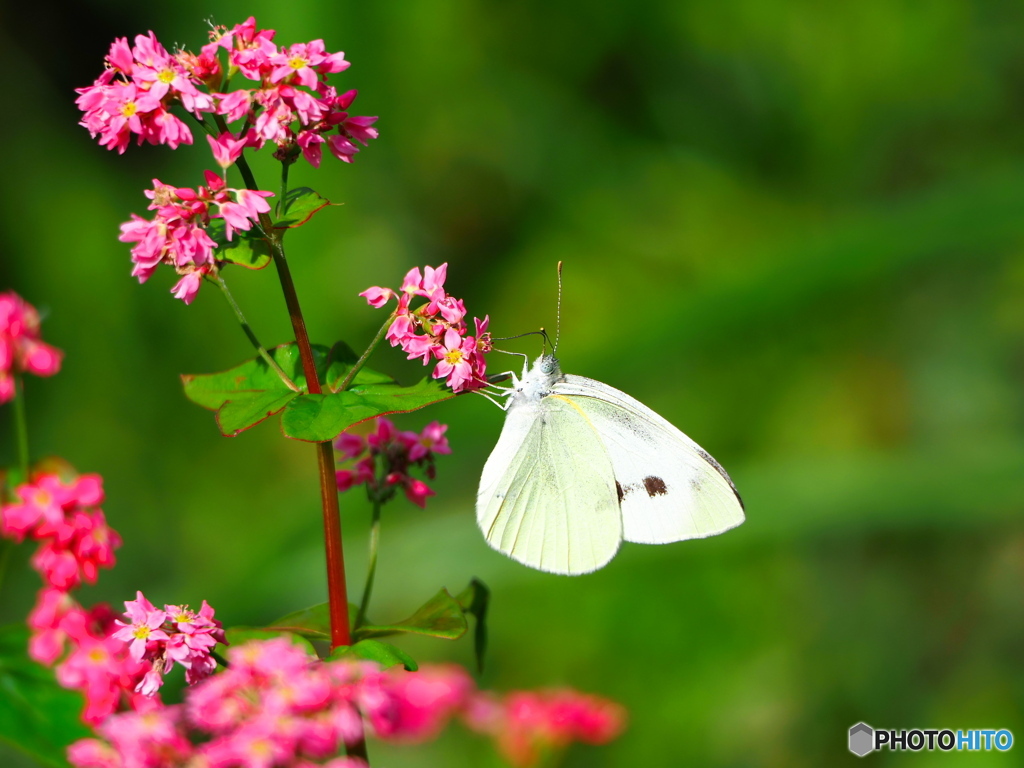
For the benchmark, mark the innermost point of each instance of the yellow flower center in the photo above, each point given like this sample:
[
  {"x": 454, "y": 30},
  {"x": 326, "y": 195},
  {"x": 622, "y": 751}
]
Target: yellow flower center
[
  {"x": 128, "y": 109},
  {"x": 297, "y": 62},
  {"x": 166, "y": 76},
  {"x": 141, "y": 632},
  {"x": 453, "y": 356}
]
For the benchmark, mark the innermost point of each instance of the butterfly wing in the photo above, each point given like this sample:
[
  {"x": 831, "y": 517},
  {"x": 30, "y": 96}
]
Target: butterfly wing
[
  {"x": 547, "y": 494},
  {"x": 669, "y": 487}
]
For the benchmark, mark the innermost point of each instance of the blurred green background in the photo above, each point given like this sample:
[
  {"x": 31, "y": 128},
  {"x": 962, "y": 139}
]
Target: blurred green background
[{"x": 795, "y": 229}]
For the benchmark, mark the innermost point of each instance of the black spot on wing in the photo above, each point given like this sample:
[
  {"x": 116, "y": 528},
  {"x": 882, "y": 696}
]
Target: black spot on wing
[
  {"x": 618, "y": 490},
  {"x": 654, "y": 486}
]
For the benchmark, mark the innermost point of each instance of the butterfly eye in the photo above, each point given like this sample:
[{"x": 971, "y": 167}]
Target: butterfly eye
[{"x": 548, "y": 364}]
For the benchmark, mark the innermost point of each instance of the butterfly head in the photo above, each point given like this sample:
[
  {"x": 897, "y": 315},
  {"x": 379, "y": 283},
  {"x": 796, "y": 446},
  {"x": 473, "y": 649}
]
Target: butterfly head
[{"x": 548, "y": 365}]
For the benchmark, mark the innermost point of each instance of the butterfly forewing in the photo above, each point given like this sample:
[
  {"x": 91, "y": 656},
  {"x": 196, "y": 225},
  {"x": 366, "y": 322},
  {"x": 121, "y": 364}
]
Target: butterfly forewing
[
  {"x": 547, "y": 495},
  {"x": 669, "y": 488}
]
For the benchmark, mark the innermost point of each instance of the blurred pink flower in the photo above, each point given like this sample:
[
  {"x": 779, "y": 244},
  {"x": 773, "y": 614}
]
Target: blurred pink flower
[
  {"x": 21, "y": 349},
  {"x": 398, "y": 454}
]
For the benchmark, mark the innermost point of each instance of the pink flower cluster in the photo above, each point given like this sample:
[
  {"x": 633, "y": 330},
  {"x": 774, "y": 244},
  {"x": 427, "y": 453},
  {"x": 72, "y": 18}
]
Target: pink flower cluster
[
  {"x": 384, "y": 458},
  {"x": 96, "y": 665},
  {"x": 437, "y": 329},
  {"x": 178, "y": 234},
  {"x": 277, "y": 705},
  {"x": 134, "y": 94},
  {"x": 291, "y": 106},
  {"x": 21, "y": 349},
  {"x": 528, "y": 725},
  {"x": 74, "y": 538},
  {"x": 172, "y": 635},
  {"x": 74, "y": 543}
]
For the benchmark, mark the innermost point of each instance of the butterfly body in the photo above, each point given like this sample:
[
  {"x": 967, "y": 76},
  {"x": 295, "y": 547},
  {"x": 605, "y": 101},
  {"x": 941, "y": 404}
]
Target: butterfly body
[{"x": 580, "y": 466}]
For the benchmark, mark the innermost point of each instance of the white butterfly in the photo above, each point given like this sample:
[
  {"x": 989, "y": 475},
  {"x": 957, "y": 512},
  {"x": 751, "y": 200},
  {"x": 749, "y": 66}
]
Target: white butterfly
[{"x": 581, "y": 466}]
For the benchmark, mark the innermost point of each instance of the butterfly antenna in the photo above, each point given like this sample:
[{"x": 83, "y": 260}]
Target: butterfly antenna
[
  {"x": 547, "y": 341},
  {"x": 558, "y": 312}
]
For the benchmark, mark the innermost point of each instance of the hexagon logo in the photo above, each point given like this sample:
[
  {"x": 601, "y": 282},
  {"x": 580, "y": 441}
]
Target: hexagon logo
[{"x": 862, "y": 739}]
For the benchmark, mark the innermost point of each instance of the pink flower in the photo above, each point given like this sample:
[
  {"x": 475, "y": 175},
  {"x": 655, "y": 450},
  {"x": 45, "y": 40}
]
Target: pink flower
[
  {"x": 304, "y": 61},
  {"x": 41, "y": 359},
  {"x": 174, "y": 635},
  {"x": 144, "y": 626},
  {"x": 187, "y": 288},
  {"x": 359, "y": 128},
  {"x": 456, "y": 360},
  {"x": 21, "y": 349},
  {"x": 349, "y": 446},
  {"x": 414, "y": 707},
  {"x": 43, "y": 502},
  {"x": 377, "y": 297},
  {"x": 417, "y": 492},
  {"x": 243, "y": 213},
  {"x": 46, "y": 621},
  {"x": 226, "y": 149},
  {"x": 234, "y": 105},
  {"x": 433, "y": 282},
  {"x": 93, "y": 753},
  {"x": 309, "y": 142},
  {"x": 432, "y": 440},
  {"x": 527, "y": 724}
]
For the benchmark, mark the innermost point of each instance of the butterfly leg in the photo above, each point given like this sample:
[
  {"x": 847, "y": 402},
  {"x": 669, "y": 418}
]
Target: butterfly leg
[{"x": 503, "y": 406}]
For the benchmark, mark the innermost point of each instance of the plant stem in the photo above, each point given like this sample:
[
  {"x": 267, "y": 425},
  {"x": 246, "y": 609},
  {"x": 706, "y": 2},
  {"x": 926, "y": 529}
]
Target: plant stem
[
  {"x": 337, "y": 593},
  {"x": 350, "y": 377},
  {"x": 371, "y": 570},
  {"x": 21, "y": 426},
  {"x": 220, "y": 659},
  {"x": 336, "y": 590},
  {"x": 279, "y": 208},
  {"x": 216, "y": 277}
]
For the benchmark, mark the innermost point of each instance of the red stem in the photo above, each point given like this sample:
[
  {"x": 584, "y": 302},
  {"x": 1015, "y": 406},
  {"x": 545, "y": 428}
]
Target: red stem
[{"x": 337, "y": 593}]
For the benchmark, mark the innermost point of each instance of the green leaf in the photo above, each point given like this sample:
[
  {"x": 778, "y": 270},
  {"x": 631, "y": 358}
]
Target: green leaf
[
  {"x": 474, "y": 600},
  {"x": 314, "y": 622},
  {"x": 240, "y": 635},
  {"x": 299, "y": 206},
  {"x": 316, "y": 418},
  {"x": 441, "y": 616},
  {"x": 37, "y": 715},
  {"x": 251, "y": 392},
  {"x": 247, "y": 249},
  {"x": 384, "y": 654}
]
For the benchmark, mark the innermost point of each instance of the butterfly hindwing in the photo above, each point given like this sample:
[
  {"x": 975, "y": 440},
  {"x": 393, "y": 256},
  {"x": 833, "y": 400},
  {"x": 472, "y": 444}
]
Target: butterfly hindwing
[
  {"x": 669, "y": 488},
  {"x": 547, "y": 495}
]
